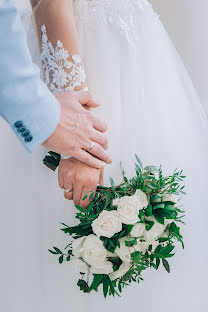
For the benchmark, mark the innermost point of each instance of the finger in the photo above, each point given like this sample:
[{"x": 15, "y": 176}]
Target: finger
[
  {"x": 85, "y": 98},
  {"x": 77, "y": 193},
  {"x": 98, "y": 151},
  {"x": 68, "y": 186},
  {"x": 98, "y": 123},
  {"x": 60, "y": 179},
  {"x": 101, "y": 178},
  {"x": 89, "y": 159},
  {"x": 68, "y": 195},
  {"x": 100, "y": 138}
]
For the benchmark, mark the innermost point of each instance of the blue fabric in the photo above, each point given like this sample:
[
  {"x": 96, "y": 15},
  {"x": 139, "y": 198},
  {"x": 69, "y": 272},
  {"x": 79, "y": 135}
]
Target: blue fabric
[{"x": 24, "y": 97}]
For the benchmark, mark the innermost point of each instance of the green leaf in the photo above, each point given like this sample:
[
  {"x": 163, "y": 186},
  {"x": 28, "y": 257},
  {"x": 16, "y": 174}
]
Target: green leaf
[
  {"x": 157, "y": 262},
  {"x": 148, "y": 210},
  {"x": 166, "y": 265},
  {"x": 57, "y": 250},
  {"x": 138, "y": 160},
  {"x": 167, "y": 213},
  {"x": 128, "y": 275},
  {"x": 61, "y": 259},
  {"x": 159, "y": 218},
  {"x": 90, "y": 207},
  {"x": 85, "y": 197},
  {"x": 158, "y": 206},
  {"x": 136, "y": 256},
  {"x": 167, "y": 250},
  {"x": 96, "y": 281},
  {"x": 83, "y": 286},
  {"x": 68, "y": 258},
  {"x": 127, "y": 228},
  {"x": 53, "y": 252},
  {"x": 155, "y": 198},
  {"x": 112, "y": 182},
  {"x": 148, "y": 224},
  {"x": 141, "y": 215},
  {"x": 80, "y": 208},
  {"x": 91, "y": 197},
  {"x": 105, "y": 288},
  {"x": 129, "y": 242}
]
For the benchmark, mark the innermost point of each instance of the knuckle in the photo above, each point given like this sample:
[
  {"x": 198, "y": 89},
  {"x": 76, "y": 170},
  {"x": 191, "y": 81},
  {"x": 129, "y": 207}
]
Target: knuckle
[{"x": 78, "y": 178}]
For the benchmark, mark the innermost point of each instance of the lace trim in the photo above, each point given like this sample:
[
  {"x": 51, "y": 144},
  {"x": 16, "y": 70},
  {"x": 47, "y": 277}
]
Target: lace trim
[{"x": 60, "y": 73}]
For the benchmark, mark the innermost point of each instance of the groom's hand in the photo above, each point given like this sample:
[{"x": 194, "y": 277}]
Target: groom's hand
[{"x": 77, "y": 129}]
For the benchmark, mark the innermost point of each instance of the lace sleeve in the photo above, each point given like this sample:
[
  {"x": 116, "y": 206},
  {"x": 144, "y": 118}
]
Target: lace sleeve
[{"x": 63, "y": 72}]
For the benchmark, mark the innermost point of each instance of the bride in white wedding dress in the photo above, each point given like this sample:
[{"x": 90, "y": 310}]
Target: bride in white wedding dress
[{"x": 151, "y": 109}]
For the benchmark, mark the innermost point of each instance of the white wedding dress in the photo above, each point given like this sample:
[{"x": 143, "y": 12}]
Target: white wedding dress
[{"x": 152, "y": 109}]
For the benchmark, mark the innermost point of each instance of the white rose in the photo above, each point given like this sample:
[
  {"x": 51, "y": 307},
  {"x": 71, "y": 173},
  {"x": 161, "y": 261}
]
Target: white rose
[
  {"x": 128, "y": 209},
  {"x": 79, "y": 265},
  {"x": 107, "y": 224},
  {"x": 155, "y": 232},
  {"x": 138, "y": 230},
  {"x": 93, "y": 250},
  {"x": 170, "y": 197},
  {"x": 105, "y": 267},
  {"x": 123, "y": 252},
  {"x": 142, "y": 198},
  {"x": 124, "y": 267},
  {"x": 141, "y": 246},
  {"x": 77, "y": 246},
  {"x": 128, "y": 206}
]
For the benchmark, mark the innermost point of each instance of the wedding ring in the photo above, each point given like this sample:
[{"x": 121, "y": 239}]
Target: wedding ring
[
  {"x": 67, "y": 191},
  {"x": 91, "y": 146}
]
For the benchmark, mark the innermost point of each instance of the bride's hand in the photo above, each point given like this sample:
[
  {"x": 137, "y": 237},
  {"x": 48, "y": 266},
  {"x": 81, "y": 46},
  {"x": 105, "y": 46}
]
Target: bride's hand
[{"x": 79, "y": 178}]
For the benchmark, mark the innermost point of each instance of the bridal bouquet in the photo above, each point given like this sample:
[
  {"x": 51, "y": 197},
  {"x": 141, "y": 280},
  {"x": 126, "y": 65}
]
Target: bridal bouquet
[{"x": 125, "y": 230}]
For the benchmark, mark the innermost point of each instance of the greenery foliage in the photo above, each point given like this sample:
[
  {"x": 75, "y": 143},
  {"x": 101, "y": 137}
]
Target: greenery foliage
[{"x": 154, "y": 184}]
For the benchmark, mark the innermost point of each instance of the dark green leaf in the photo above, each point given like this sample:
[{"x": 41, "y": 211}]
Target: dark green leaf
[
  {"x": 128, "y": 275},
  {"x": 166, "y": 265},
  {"x": 129, "y": 242},
  {"x": 61, "y": 259},
  {"x": 136, "y": 256},
  {"x": 83, "y": 286},
  {"x": 80, "y": 208},
  {"x": 158, "y": 206},
  {"x": 96, "y": 281},
  {"x": 53, "y": 252},
  {"x": 149, "y": 224},
  {"x": 148, "y": 210},
  {"x": 159, "y": 218},
  {"x": 57, "y": 250}
]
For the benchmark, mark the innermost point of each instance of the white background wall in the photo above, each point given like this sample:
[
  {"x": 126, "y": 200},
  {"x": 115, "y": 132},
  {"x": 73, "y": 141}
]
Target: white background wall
[{"x": 187, "y": 23}]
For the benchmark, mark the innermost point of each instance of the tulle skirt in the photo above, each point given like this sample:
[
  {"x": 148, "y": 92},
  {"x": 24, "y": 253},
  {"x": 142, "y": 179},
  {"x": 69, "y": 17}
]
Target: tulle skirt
[{"x": 152, "y": 109}]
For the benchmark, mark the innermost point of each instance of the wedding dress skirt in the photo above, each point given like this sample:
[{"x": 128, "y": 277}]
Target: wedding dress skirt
[{"x": 152, "y": 109}]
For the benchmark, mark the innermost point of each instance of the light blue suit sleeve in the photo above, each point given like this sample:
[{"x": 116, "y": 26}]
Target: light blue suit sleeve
[{"x": 25, "y": 101}]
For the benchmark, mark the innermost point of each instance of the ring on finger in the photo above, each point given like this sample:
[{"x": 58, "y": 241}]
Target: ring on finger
[
  {"x": 91, "y": 146},
  {"x": 67, "y": 190}
]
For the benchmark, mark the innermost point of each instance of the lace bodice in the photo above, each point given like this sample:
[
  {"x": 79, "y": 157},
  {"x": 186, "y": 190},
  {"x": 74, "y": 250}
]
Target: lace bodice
[{"x": 122, "y": 14}]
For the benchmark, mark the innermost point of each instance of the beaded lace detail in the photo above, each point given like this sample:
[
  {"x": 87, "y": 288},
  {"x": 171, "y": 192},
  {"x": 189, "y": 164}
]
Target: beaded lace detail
[
  {"x": 124, "y": 15},
  {"x": 61, "y": 74}
]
